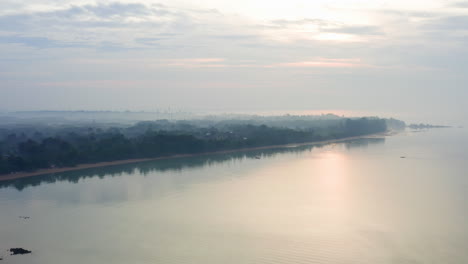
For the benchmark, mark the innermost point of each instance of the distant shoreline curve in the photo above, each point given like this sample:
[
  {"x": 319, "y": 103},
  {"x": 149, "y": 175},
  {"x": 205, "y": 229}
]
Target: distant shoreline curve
[{"x": 19, "y": 175}]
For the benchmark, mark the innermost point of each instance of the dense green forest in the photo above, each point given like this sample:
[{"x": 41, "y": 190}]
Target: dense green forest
[{"x": 26, "y": 149}]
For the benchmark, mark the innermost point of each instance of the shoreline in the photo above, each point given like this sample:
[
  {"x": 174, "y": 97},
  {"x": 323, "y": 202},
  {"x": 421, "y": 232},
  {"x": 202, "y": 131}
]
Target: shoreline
[{"x": 20, "y": 175}]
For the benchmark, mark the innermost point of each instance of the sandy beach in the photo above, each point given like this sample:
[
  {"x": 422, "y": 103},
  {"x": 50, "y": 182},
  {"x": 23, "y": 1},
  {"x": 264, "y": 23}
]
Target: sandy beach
[{"x": 18, "y": 175}]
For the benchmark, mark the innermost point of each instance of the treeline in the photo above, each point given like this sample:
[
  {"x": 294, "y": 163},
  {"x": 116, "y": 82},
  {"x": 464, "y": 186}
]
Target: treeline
[
  {"x": 425, "y": 126},
  {"x": 22, "y": 153}
]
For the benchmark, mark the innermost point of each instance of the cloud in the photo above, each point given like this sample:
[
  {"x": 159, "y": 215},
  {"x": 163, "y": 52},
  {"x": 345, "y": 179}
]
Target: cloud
[
  {"x": 448, "y": 23},
  {"x": 119, "y": 9},
  {"x": 195, "y": 63},
  {"x": 324, "y": 63},
  {"x": 355, "y": 30},
  {"x": 299, "y": 22},
  {"x": 410, "y": 13},
  {"x": 328, "y": 26},
  {"x": 105, "y": 27},
  {"x": 149, "y": 41},
  {"x": 459, "y": 5},
  {"x": 101, "y": 15},
  {"x": 120, "y": 26},
  {"x": 234, "y": 36},
  {"x": 155, "y": 31},
  {"x": 38, "y": 42},
  {"x": 110, "y": 84}
]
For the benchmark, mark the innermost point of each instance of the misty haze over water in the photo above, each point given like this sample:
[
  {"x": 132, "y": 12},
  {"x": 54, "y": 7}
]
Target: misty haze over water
[
  {"x": 250, "y": 131},
  {"x": 352, "y": 202}
]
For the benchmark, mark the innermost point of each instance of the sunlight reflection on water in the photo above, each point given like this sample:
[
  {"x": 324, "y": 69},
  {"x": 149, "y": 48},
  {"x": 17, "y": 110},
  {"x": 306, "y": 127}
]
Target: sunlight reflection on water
[{"x": 354, "y": 202}]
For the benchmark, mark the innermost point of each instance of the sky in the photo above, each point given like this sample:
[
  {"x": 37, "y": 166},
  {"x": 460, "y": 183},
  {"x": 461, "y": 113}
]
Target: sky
[{"x": 407, "y": 59}]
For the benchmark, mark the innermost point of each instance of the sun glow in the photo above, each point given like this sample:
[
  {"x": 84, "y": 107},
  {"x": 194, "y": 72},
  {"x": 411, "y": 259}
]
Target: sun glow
[
  {"x": 335, "y": 37},
  {"x": 332, "y": 178},
  {"x": 332, "y": 170}
]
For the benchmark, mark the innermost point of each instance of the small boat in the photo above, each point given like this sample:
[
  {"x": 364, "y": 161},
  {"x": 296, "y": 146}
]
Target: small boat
[
  {"x": 257, "y": 157},
  {"x": 402, "y": 157}
]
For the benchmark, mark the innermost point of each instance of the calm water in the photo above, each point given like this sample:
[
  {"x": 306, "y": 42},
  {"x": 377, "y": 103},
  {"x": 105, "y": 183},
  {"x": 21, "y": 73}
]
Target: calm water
[{"x": 354, "y": 202}]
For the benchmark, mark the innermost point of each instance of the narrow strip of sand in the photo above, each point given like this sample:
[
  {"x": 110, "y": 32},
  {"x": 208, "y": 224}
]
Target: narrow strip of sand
[{"x": 13, "y": 176}]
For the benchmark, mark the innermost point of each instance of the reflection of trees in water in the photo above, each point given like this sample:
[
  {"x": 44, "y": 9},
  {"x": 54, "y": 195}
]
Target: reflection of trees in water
[
  {"x": 174, "y": 164},
  {"x": 363, "y": 142}
]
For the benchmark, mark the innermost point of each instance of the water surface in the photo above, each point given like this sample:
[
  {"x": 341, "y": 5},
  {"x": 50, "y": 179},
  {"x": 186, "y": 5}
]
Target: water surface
[{"x": 352, "y": 202}]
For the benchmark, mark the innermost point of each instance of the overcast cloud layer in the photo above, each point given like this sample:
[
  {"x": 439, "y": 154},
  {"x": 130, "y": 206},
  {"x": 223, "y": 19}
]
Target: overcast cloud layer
[{"x": 405, "y": 60}]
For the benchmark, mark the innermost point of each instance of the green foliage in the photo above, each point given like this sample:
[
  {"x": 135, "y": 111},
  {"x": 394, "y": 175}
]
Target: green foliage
[{"x": 21, "y": 153}]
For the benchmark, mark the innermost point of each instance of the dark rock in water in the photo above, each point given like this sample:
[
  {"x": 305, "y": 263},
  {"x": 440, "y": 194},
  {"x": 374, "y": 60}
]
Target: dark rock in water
[{"x": 19, "y": 251}]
